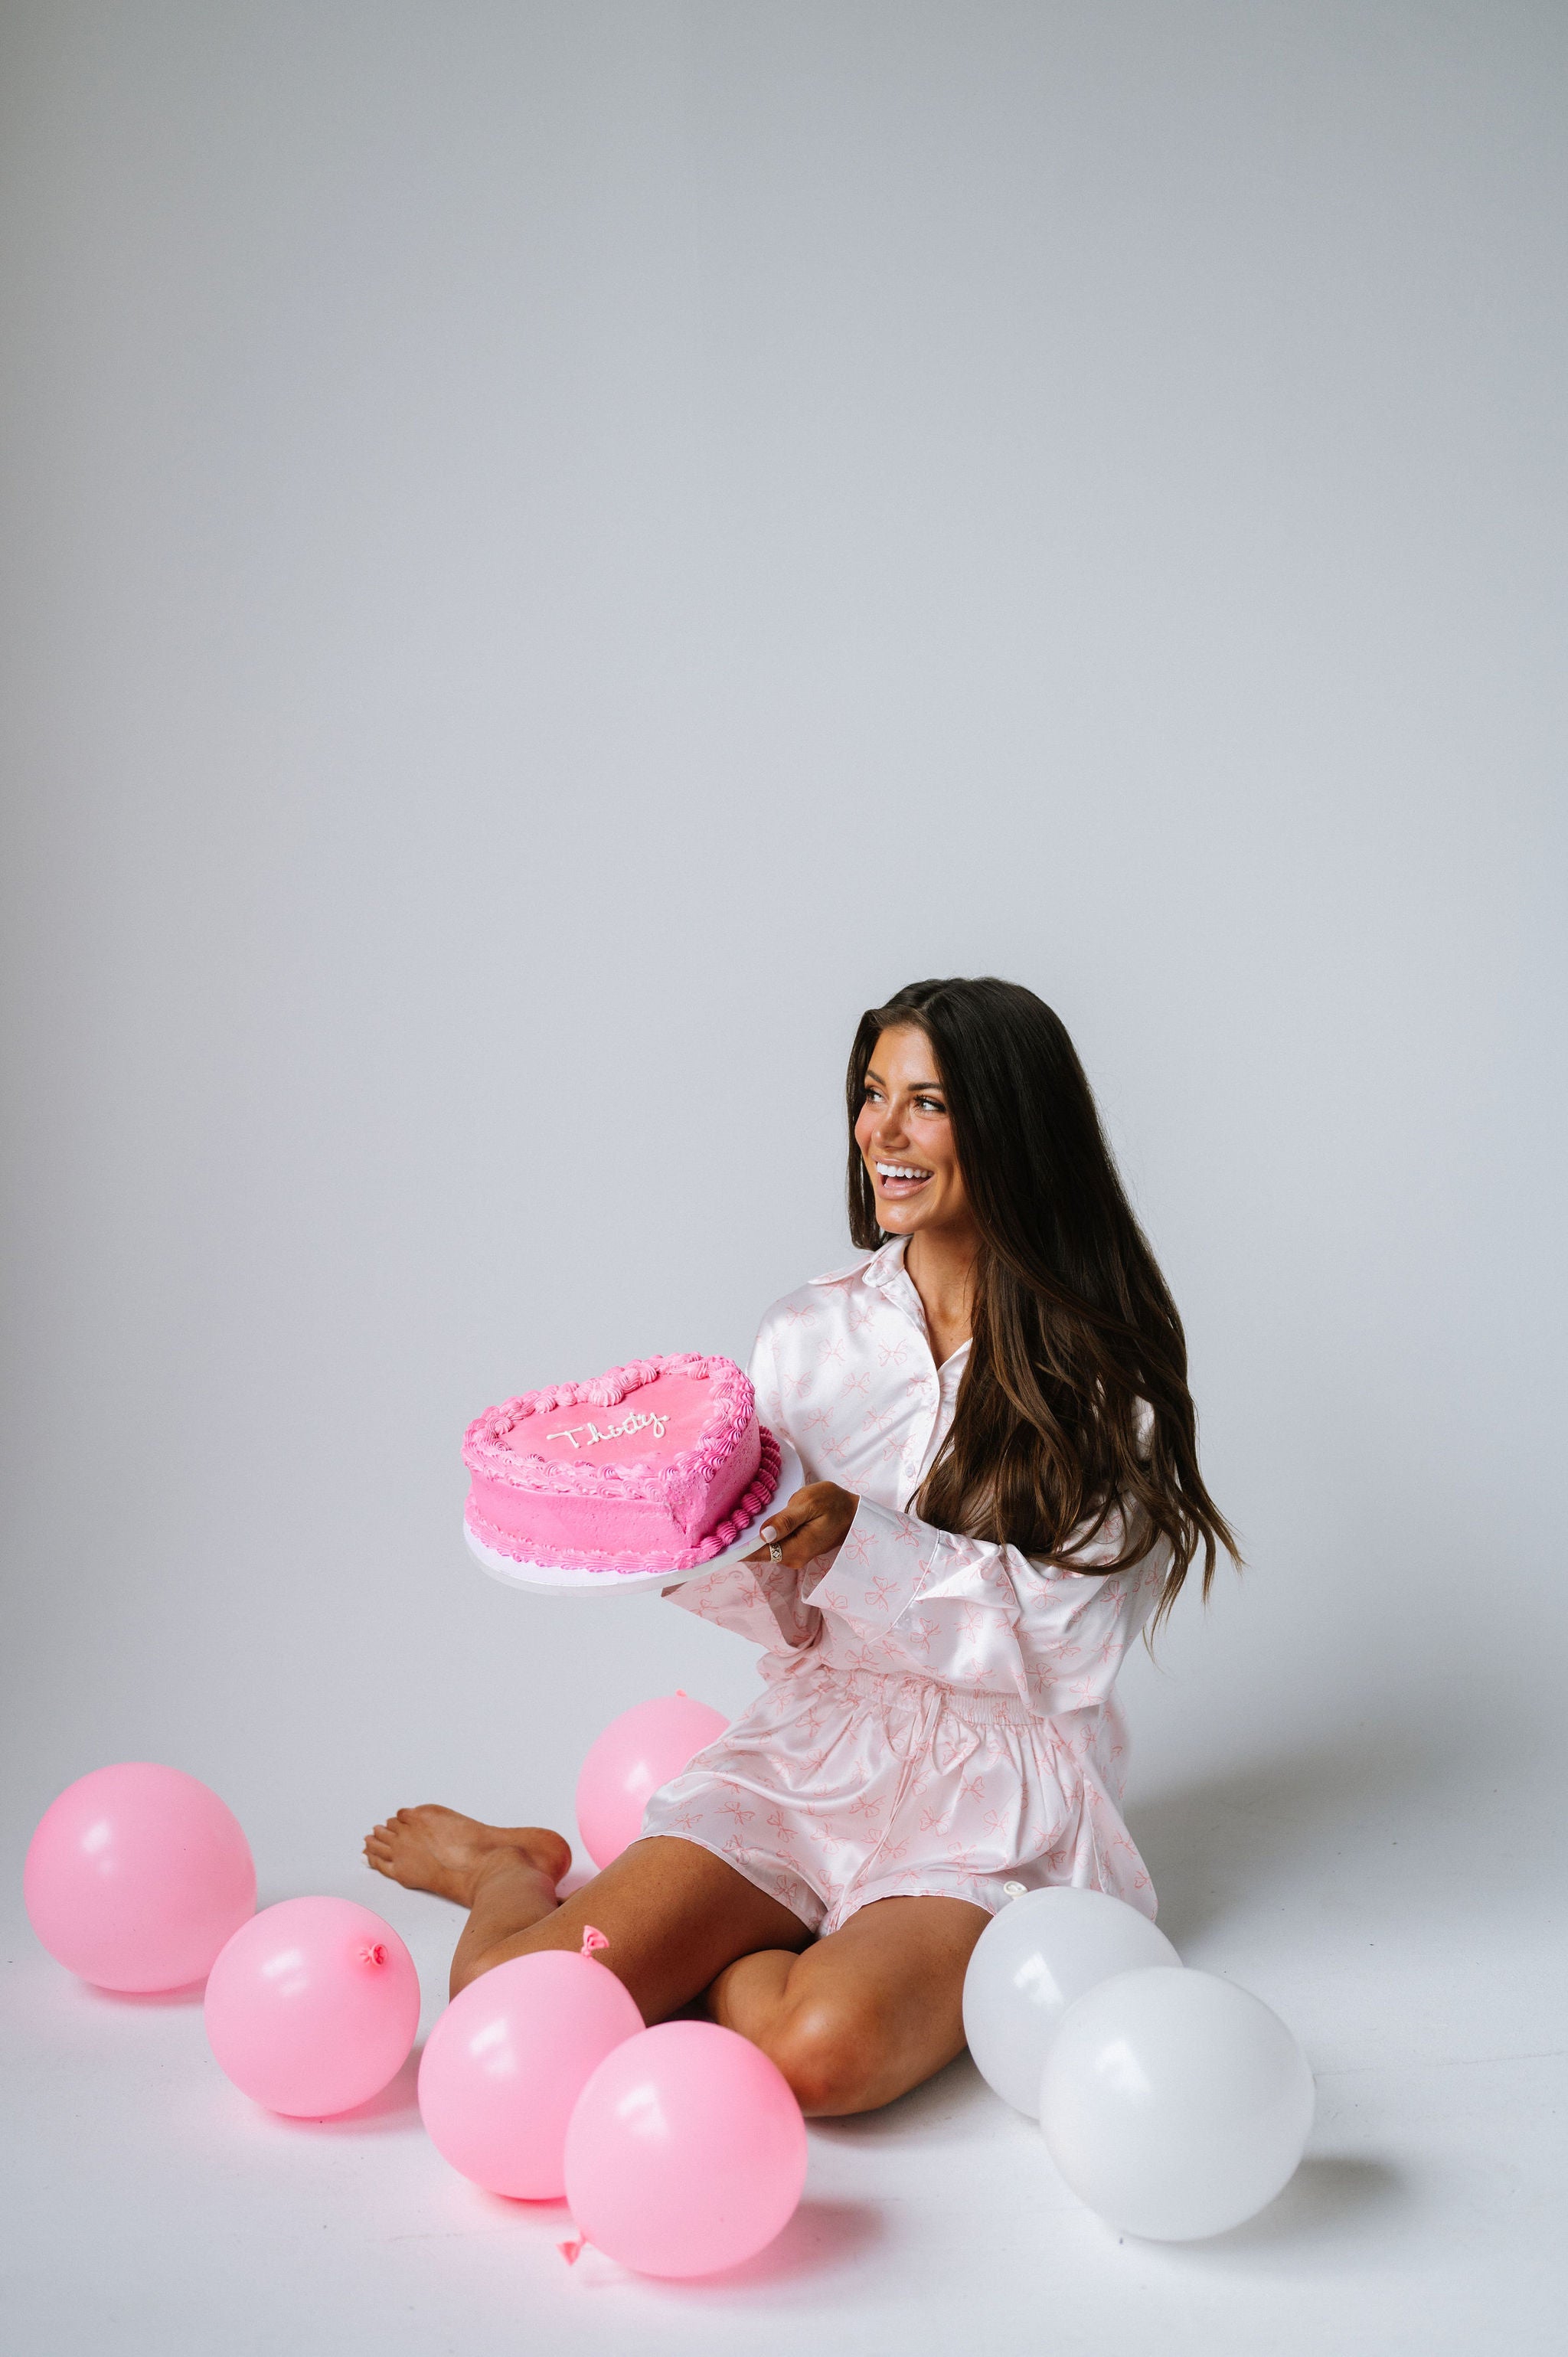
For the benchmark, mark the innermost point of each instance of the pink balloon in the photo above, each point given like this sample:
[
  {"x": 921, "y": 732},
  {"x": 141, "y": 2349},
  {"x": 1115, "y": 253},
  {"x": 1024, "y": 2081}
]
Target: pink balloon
[
  {"x": 686, "y": 2152},
  {"x": 508, "y": 2060},
  {"x": 137, "y": 1876},
  {"x": 641, "y": 1749},
  {"x": 313, "y": 2006}
]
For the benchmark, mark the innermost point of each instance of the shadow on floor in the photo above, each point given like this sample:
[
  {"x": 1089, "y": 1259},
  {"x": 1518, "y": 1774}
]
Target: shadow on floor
[
  {"x": 931, "y": 2109},
  {"x": 824, "y": 2235},
  {"x": 1306, "y": 1818},
  {"x": 1336, "y": 2204},
  {"x": 397, "y": 2106},
  {"x": 129, "y": 1999},
  {"x": 1332, "y": 2196}
]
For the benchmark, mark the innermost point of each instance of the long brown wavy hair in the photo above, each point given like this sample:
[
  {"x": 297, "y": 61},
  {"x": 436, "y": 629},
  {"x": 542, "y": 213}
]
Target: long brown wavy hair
[{"x": 1073, "y": 1325}]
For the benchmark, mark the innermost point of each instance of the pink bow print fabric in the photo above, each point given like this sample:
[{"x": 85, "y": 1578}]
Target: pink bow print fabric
[{"x": 937, "y": 1715}]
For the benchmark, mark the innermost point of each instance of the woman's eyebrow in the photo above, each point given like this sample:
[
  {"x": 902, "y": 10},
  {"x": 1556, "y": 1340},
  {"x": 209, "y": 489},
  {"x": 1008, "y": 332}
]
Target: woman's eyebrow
[{"x": 915, "y": 1089}]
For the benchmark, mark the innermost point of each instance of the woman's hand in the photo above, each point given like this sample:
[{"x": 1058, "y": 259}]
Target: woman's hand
[{"x": 813, "y": 1523}]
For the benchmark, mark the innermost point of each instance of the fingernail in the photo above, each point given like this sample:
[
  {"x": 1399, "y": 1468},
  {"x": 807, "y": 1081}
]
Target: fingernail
[{"x": 767, "y": 1533}]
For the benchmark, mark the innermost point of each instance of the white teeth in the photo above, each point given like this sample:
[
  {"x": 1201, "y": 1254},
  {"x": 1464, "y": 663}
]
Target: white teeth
[{"x": 897, "y": 1170}]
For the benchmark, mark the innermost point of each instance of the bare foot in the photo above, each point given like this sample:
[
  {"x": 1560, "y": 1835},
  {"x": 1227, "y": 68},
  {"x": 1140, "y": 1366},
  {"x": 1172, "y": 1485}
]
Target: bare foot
[{"x": 433, "y": 1848}]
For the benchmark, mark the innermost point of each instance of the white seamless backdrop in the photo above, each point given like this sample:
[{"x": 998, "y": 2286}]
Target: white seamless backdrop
[{"x": 554, "y": 555}]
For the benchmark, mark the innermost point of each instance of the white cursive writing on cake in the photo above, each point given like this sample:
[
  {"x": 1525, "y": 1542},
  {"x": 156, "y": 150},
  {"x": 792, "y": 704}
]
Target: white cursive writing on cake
[
  {"x": 671, "y": 1484},
  {"x": 610, "y": 1432}
]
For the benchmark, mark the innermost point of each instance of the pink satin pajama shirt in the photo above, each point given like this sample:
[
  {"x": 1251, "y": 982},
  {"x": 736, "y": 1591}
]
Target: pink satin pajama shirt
[{"x": 936, "y": 1715}]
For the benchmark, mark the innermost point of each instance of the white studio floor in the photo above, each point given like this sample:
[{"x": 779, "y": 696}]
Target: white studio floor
[{"x": 149, "y": 2207}]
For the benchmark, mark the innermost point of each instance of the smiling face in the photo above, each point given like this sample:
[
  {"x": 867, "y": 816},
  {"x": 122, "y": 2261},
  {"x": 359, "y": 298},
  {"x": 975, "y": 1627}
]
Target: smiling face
[{"x": 906, "y": 1139}]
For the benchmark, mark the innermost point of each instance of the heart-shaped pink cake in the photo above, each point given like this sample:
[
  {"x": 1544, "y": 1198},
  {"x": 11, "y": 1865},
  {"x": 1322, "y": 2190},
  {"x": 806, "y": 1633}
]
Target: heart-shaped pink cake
[{"x": 654, "y": 1467}]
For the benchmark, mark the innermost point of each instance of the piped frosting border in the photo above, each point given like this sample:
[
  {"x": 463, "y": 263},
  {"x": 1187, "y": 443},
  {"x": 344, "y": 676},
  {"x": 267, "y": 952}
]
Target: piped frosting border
[
  {"x": 752, "y": 1502},
  {"x": 734, "y": 1405}
]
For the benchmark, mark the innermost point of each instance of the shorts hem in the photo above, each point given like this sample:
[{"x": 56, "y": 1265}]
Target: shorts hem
[
  {"x": 774, "y": 1882},
  {"x": 990, "y": 1901}
]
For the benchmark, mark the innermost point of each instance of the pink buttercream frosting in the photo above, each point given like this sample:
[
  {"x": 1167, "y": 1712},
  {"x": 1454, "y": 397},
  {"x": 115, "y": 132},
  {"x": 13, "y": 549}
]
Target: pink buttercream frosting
[{"x": 657, "y": 1465}]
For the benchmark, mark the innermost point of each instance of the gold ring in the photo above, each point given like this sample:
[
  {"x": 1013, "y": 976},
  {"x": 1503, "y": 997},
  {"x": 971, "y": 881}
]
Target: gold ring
[{"x": 775, "y": 1552}]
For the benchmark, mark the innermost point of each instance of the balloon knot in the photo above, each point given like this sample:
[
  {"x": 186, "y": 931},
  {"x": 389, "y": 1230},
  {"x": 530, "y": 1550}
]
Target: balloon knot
[
  {"x": 592, "y": 1939},
  {"x": 374, "y": 1954},
  {"x": 573, "y": 2252}
]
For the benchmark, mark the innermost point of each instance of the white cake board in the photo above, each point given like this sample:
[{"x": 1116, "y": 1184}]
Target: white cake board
[{"x": 571, "y": 1579}]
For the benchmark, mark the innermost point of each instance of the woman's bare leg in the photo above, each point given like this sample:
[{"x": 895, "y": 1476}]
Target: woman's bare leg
[
  {"x": 853, "y": 2021},
  {"x": 508, "y": 1872},
  {"x": 674, "y": 1915},
  {"x": 866, "y": 2014}
]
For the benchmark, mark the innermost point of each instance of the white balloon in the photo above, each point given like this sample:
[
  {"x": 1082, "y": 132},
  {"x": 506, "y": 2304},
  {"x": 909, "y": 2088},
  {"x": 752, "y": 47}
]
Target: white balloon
[
  {"x": 1175, "y": 2103},
  {"x": 1029, "y": 1964}
]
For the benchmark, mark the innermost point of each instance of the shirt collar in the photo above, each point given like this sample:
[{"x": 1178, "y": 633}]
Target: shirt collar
[
  {"x": 880, "y": 1269},
  {"x": 884, "y": 1270}
]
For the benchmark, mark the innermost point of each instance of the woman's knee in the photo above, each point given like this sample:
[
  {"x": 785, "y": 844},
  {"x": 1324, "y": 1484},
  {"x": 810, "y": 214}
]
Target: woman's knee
[{"x": 832, "y": 2055}]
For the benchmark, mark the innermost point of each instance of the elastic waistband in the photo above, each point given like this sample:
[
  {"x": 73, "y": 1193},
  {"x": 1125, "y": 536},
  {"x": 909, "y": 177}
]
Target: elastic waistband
[{"x": 893, "y": 1690}]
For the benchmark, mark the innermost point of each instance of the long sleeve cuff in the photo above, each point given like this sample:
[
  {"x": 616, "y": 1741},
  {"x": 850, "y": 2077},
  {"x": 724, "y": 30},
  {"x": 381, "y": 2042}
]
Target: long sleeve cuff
[{"x": 889, "y": 1560}]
